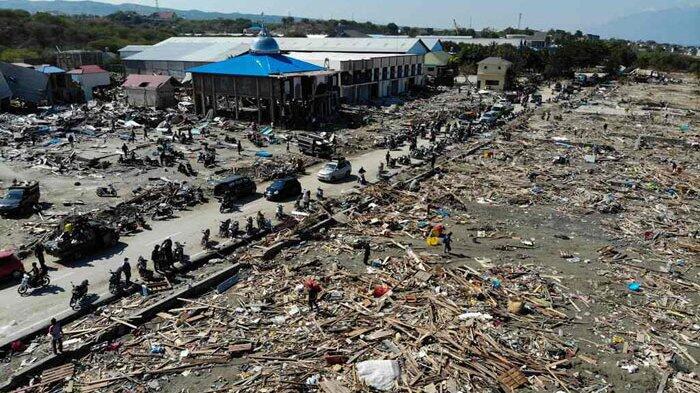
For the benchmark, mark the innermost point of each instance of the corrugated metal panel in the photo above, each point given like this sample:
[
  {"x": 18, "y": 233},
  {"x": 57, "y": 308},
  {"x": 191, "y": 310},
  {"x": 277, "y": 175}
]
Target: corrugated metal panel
[
  {"x": 25, "y": 83},
  {"x": 256, "y": 65},
  {"x": 5, "y": 91}
]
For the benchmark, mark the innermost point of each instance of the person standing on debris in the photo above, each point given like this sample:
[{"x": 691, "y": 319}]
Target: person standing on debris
[
  {"x": 288, "y": 143},
  {"x": 145, "y": 133},
  {"x": 365, "y": 258},
  {"x": 125, "y": 150},
  {"x": 71, "y": 140},
  {"x": 132, "y": 136},
  {"x": 447, "y": 242},
  {"x": 56, "y": 333},
  {"x": 387, "y": 157},
  {"x": 239, "y": 147},
  {"x": 39, "y": 253},
  {"x": 313, "y": 288},
  {"x": 433, "y": 157},
  {"x": 126, "y": 269}
]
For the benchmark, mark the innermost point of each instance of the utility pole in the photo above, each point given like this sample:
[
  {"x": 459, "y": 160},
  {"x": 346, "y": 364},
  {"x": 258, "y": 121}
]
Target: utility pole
[
  {"x": 157, "y": 6},
  {"x": 520, "y": 19}
]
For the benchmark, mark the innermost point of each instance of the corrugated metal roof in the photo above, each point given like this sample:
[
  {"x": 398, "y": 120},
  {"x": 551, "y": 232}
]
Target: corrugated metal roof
[
  {"x": 87, "y": 69},
  {"x": 335, "y": 58},
  {"x": 218, "y": 48},
  {"x": 148, "y": 82},
  {"x": 436, "y": 59},
  {"x": 256, "y": 65},
  {"x": 134, "y": 48}
]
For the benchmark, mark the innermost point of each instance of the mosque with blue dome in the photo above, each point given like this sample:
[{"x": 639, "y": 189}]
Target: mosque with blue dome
[{"x": 265, "y": 85}]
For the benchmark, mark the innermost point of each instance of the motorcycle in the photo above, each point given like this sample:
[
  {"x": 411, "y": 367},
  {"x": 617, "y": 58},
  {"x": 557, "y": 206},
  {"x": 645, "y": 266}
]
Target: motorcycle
[
  {"x": 29, "y": 283},
  {"x": 228, "y": 205},
  {"x": 115, "y": 285},
  {"x": 108, "y": 191},
  {"x": 78, "y": 293},
  {"x": 163, "y": 212},
  {"x": 223, "y": 227},
  {"x": 233, "y": 229},
  {"x": 179, "y": 253}
]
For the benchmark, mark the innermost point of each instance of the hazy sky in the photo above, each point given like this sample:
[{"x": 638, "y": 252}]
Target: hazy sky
[{"x": 568, "y": 14}]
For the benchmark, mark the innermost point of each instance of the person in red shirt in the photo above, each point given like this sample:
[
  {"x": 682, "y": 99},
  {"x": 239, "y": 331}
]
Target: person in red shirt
[
  {"x": 56, "y": 333},
  {"x": 314, "y": 288}
]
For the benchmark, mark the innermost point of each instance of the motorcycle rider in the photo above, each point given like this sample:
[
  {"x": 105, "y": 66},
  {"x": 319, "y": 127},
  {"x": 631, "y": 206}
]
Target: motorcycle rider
[
  {"x": 280, "y": 212},
  {"x": 205, "y": 238},
  {"x": 319, "y": 194},
  {"x": 80, "y": 291},
  {"x": 126, "y": 269},
  {"x": 249, "y": 229},
  {"x": 260, "y": 220},
  {"x": 223, "y": 227},
  {"x": 142, "y": 267},
  {"x": 233, "y": 229}
]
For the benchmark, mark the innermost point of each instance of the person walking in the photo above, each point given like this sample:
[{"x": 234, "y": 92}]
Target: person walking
[
  {"x": 56, "y": 334},
  {"x": 447, "y": 242},
  {"x": 365, "y": 257},
  {"x": 313, "y": 288}
]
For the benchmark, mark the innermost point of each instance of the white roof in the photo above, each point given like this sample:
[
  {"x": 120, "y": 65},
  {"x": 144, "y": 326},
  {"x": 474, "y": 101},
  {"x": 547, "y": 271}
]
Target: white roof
[
  {"x": 207, "y": 49},
  {"x": 335, "y": 58},
  {"x": 134, "y": 48}
]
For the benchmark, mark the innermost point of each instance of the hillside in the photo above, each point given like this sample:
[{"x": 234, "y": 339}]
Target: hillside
[
  {"x": 103, "y": 9},
  {"x": 675, "y": 26}
]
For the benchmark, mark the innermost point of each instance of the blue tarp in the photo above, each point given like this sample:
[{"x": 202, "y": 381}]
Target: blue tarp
[
  {"x": 251, "y": 64},
  {"x": 263, "y": 154}
]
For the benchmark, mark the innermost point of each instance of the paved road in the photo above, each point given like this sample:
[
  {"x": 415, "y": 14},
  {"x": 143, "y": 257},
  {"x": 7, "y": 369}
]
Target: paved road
[{"x": 19, "y": 314}]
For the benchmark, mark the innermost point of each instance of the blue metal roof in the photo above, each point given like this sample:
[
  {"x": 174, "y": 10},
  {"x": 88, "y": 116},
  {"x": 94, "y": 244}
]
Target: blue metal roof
[
  {"x": 49, "y": 69},
  {"x": 251, "y": 64}
]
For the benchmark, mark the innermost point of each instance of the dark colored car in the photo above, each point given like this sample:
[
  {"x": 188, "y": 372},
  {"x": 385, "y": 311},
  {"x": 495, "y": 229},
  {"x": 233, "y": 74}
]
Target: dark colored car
[
  {"x": 10, "y": 266},
  {"x": 80, "y": 236},
  {"x": 280, "y": 189},
  {"x": 236, "y": 185},
  {"x": 20, "y": 199}
]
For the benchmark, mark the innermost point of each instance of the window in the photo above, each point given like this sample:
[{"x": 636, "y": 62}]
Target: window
[
  {"x": 384, "y": 73},
  {"x": 376, "y": 74},
  {"x": 499, "y": 67},
  {"x": 486, "y": 68},
  {"x": 420, "y": 69},
  {"x": 405, "y": 70},
  {"x": 492, "y": 83},
  {"x": 413, "y": 69},
  {"x": 392, "y": 73},
  {"x": 400, "y": 72}
]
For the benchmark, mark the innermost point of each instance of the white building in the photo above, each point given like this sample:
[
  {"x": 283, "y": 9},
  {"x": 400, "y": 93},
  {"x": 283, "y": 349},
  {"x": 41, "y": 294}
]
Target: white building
[{"x": 89, "y": 77}]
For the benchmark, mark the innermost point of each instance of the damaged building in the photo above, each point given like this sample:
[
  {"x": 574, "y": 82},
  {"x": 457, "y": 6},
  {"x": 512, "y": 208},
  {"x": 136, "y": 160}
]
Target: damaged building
[
  {"x": 274, "y": 87},
  {"x": 37, "y": 85},
  {"x": 156, "y": 91}
]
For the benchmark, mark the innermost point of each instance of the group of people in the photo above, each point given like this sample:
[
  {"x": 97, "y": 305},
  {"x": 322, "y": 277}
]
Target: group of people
[{"x": 163, "y": 256}]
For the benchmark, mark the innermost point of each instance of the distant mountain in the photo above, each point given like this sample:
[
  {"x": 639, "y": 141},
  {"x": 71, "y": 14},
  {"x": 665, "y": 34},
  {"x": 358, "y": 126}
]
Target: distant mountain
[
  {"x": 102, "y": 9},
  {"x": 673, "y": 26}
]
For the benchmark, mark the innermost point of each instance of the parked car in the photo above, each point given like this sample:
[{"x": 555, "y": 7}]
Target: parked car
[
  {"x": 288, "y": 187},
  {"x": 10, "y": 266},
  {"x": 337, "y": 169},
  {"x": 502, "y": 107},
  {"x": 20, "y": 199},
  {"x": 489, "y": 118},
  {"x": 236, "y": 185}
]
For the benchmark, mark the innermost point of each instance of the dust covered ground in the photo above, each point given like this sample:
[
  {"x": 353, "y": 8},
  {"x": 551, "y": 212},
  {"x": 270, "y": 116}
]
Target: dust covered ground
[{"x": 573, "y": 268}]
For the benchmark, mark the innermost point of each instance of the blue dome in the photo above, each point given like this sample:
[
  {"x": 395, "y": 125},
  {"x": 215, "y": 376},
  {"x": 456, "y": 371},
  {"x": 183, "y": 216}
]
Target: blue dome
[{"x": 264, "y": 44}]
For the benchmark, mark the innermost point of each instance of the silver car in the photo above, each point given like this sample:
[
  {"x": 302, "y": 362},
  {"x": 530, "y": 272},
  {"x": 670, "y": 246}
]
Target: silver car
[{"x": 335, "y": 170}]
